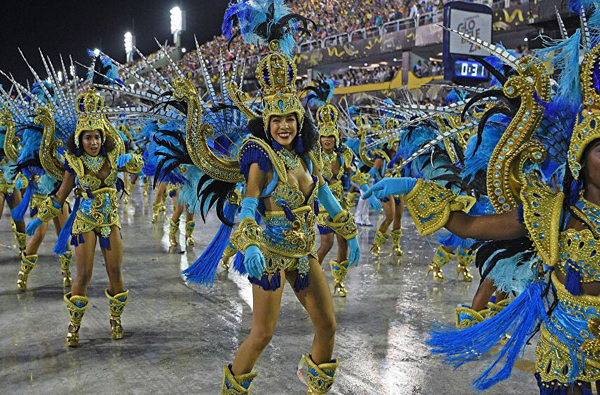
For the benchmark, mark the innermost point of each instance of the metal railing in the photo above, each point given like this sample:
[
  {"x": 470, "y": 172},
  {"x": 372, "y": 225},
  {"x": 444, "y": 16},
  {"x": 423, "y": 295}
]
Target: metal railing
[{"x": 369, "y": 32}]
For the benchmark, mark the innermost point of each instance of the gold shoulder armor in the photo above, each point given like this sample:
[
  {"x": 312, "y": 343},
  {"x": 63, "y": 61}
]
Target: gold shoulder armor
[
  {"x": 135, "y": 165},
  {"x": 542, "y": 210},
  {"x": 430, "y": 206},
  {"x": 75, "y": 163},
  {"x": 278, "y": 164}
]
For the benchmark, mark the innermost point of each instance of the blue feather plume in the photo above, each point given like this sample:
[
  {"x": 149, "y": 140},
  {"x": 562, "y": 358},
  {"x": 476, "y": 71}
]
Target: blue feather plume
[
  {"x": 62, "y": 243},
  {"x": 517, "y": 321},
  {"x": 203, "y": 270}
]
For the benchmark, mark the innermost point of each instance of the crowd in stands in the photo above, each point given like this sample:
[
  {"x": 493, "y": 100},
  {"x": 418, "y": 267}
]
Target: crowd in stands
[
  {"x": 331, "y": 17},
  {"x": 427, "y": 69},
  {"x": 361, "y": 76}
]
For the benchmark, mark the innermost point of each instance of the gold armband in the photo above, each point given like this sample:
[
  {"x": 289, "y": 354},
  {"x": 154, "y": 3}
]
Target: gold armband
[
  {"x": 47, "y": 211},
  {"x": 343, "y": 224},
  {"x": 135, "y": 164},
  {"x": 361, "y": 178},
  {"x": 430, "y": 206},
  {"x": 248, "y": 233}
]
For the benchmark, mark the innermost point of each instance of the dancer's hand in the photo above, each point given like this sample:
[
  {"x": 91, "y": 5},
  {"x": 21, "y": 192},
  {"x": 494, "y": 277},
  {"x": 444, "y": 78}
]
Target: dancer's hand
[
  {"x": 254, "y": 261},
  {"x": 391, "y": 186},
  {"x": 354, "y": 256},
  {"x": 373, "y": 201},
  {"x": 124, "y": 160},
  {"x": 32, "y": 226}
]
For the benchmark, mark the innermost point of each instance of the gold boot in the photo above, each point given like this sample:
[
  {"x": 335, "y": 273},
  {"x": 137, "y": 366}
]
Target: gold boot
[
  {"x": 189, "y": 231},
  {"x": 339, "y": 271},
  {"x": 440, "y": 259},
  {"x": 76, "y": 306},
  {"x": 116, "y": 304},
  {"x": 174, "y": 233},
  {"x": 155, "y": 212},
  {"x": 27, "y": 264},
  {"x": 227, "y": 254},
  {"x": 236, "y": 385},
  {"x": 378, "y": 242},
  {"x": 319, "y": 378},
  {"x": 396, "y": 239},
  {"x": 146, "y": 185},
  {"x": 465, "y": 258},
  {"x": 65, "y": 265},
  {"x": 21, "y": 240}
]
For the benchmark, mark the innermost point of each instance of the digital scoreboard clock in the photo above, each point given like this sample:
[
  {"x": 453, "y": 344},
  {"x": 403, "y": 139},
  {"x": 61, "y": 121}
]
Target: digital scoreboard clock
[
  {"x": 459, "y": 57},
  {"x": 469, "y": 69}
]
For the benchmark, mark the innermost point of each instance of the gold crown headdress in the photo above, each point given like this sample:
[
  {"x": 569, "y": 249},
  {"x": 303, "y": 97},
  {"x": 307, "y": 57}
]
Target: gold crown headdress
[
  {"x": 327, "y": 117},
  {"x": 272, "y": 22},
  {"x": 88, "y": 106},
  {"x": 276, "y": 73},
  {"x": 587, "y": 123}
]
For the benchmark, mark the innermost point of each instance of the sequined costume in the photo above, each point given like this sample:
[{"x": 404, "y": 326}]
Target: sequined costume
[
  {"x": 562, "y": 227},
  {"x": 98, "y": 209}
]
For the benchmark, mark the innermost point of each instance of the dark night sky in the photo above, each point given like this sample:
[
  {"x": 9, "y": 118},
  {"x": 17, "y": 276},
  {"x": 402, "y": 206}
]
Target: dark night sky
[{"x": 69, "y": 27}]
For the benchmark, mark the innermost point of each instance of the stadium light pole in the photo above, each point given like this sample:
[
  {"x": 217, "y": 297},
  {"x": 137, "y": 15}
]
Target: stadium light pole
[
  {"x": 177, "y": 24},
  {"x": 129, "y": 40}
]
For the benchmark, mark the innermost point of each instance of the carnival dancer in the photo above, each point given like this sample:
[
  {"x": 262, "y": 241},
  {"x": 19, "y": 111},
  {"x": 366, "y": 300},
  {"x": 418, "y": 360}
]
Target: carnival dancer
[
  {"x": 383, "y": 163},
  {"x": 40, "y": 184},
  {"x": 92, "y": 161},
  {"x": 563, "y": 227},
  {"x": 337, "y": 161},
  {"x": 281, "y": 166}
]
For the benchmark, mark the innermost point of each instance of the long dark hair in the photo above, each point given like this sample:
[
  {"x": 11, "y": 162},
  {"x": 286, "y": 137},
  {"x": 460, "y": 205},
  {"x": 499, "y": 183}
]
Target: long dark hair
[
  {"x": 307, "y": 133},
  {"x": 108, "y": 144}
]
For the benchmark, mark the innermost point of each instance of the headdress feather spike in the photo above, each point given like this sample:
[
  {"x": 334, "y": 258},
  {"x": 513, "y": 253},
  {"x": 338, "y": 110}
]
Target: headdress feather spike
[
  {"x": 495, "y": 50},
  {"x": 561, "y": 25}
]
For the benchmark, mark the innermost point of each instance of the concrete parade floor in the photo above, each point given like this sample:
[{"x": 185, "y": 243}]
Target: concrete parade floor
[{"x": 179, "y": 335}]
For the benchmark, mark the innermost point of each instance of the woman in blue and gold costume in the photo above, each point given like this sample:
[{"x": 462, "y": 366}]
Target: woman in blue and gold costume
[
  {"x": 382, "y": 163},
  {"x": 337, "y": 162},
  {"x": 281, "y": 165},
  {"x": 94, "y": 156},
  {"x": 279, "y": 168},
  {"x": 562, "y": 229}
]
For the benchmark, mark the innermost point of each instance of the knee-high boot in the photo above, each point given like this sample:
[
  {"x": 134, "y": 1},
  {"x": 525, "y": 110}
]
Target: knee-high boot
[
  {"x": 28, "y": 262},
  {"x": 465, "y": 259},
  {"x": 441, "y": 258},
  {"x": 396, "y": 239},
  {"x": 76, "y": 306},
  {"x": 116, "y": 304},
  {"x": 236, "y": 385},
  {"x": 65, "y": 265},
  {"x": 174, "y": 233},
  {"x": 319, "y": 378},
  {"x": 378, "y": 242},
  {"x": 189, "y": 231},
  {"x": 339, "y": 271}
]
